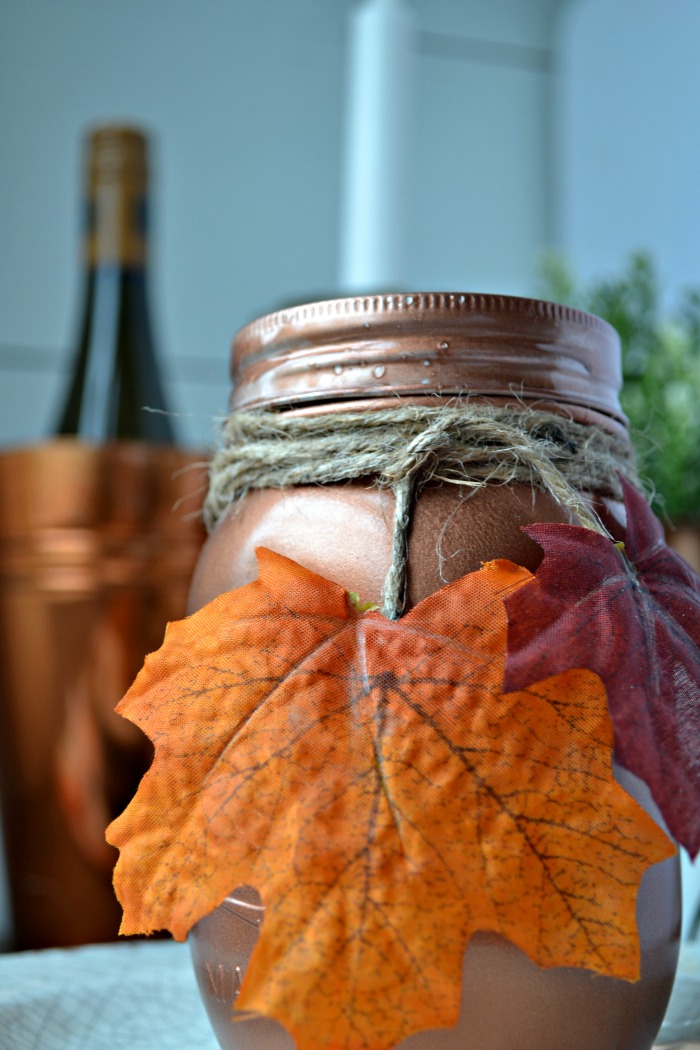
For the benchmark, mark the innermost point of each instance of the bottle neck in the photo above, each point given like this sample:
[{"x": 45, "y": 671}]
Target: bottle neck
[
  {"x": 115, "y": 390},
  {"x": 116, "y": 229}
]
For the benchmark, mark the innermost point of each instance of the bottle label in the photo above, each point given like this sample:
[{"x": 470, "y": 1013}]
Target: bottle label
[{"x": 116, "y": 227}]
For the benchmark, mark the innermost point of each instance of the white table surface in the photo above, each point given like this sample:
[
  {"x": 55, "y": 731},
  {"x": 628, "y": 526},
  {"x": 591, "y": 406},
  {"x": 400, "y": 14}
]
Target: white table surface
[
  {"x": 143, "y": 996},
  {"x": 130, "y": 996}
]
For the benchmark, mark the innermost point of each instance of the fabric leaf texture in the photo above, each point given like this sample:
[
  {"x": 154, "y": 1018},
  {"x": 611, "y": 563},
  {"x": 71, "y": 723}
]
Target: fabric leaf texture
[
  {"x": 631, "y": 613},
  {"x": 386, "y": 798}
]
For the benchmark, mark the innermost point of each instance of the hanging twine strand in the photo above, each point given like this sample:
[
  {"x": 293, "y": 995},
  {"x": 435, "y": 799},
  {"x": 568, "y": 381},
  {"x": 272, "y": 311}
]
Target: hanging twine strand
[{"x": 404, "y": 448}]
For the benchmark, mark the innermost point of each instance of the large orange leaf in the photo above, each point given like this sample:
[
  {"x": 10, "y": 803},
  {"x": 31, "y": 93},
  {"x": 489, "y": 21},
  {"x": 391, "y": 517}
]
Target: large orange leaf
[{"x": 384, "y": 796}]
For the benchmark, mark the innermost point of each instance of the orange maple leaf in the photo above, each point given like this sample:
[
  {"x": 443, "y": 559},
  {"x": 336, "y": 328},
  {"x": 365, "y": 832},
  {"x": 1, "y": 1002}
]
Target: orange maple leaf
[{"x": 373, "y": 783}]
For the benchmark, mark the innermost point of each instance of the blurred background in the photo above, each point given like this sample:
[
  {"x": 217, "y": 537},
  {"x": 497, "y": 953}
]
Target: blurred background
[
  {"x": 533, "y": 124},
  {"x": 510, "y": 130}
]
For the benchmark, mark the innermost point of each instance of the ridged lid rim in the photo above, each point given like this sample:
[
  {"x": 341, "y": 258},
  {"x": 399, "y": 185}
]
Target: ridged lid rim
[
  {"x": 411, "y": 303},
  {"x": 296, "y": 355}
]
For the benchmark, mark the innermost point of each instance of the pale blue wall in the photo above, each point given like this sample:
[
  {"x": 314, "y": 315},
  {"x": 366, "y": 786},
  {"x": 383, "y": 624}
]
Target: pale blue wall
[
  {"x": 628, "y": 149},
  {"x": 247, "y": 101},
  {"x": 629, "y": 136},
  {"x": 243, "y": 100}
]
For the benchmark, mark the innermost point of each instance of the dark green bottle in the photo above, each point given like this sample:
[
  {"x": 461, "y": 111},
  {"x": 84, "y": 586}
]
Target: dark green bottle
[{"x": 115, "y": 391}]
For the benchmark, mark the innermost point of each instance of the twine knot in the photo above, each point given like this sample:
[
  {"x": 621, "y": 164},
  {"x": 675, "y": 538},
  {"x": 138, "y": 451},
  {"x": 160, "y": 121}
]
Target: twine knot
[{"x": 404, "y": 448}]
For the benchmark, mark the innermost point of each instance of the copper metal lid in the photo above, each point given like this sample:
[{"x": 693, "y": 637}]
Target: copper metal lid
[{"x": 427, "y": 343}]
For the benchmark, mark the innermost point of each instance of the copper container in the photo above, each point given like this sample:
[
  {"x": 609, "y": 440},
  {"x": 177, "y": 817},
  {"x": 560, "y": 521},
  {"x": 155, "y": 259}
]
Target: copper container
[
  {"x": 97, "y": 547},
  {"x": 348, "y": 353}
]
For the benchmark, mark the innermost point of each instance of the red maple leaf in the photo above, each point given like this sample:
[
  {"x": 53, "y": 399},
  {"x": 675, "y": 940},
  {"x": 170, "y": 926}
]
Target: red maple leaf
[{"x": 631, "y": 613}]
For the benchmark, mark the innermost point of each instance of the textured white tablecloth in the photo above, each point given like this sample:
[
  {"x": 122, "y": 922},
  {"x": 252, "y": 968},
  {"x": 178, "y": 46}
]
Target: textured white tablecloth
[
  {"x": 681, "y": 1027},
  {"x": 143, "y": 996},
  {"x": 130, "y": 996}
]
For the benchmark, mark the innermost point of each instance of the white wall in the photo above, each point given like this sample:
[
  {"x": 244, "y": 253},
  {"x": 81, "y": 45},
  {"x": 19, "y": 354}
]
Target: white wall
[
  {"x": 243, "y": 100},
  {"x": 629, "y": 136},
  {"x": 628, "y": 155},
  {"x": 247, "y": 102}
]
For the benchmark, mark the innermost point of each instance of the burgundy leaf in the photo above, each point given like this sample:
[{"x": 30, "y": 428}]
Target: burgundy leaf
[{"x": 632, "y": 615}]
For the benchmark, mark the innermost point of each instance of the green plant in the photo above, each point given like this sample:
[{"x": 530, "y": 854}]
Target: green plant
[{"x": 661, "y": 373}]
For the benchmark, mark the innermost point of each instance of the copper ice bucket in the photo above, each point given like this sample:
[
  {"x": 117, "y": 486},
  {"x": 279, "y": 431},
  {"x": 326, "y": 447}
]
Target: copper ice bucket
[{"x": 97, "y": 546}]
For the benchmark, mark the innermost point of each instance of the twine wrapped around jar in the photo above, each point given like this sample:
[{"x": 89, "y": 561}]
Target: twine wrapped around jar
[{"x": 464, "y": 443}]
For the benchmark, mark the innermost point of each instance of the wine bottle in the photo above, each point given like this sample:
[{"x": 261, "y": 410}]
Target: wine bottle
[{"x": 115, "y": 391}]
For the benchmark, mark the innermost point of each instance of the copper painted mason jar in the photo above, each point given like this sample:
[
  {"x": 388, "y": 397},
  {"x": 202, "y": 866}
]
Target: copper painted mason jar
[{"x": 377, "y": 352}]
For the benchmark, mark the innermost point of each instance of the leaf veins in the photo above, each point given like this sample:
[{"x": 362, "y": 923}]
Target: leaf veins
[
  {"x": 372, "y": 781},
  {"x": 631, "y": 613}
]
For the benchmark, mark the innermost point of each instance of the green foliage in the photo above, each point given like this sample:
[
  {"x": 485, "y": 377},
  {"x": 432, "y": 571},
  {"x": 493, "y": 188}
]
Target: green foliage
[{"x": 661, "y": 373}]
